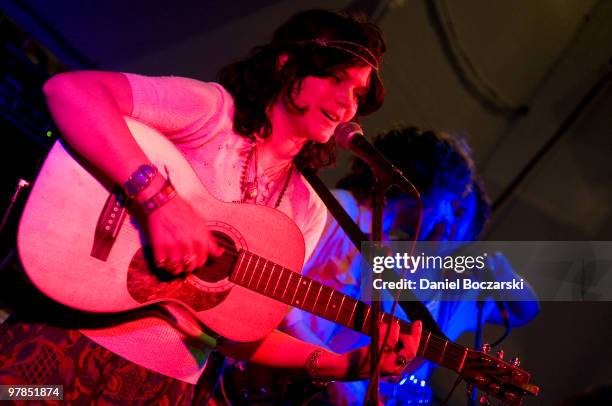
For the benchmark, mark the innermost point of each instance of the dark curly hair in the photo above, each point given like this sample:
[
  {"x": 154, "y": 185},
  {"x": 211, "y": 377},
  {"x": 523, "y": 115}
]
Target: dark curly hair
[
  {"x": 483, "y": 208},
  {"x": 430, "y": 160},
  {"x": 257, "y": 81}
]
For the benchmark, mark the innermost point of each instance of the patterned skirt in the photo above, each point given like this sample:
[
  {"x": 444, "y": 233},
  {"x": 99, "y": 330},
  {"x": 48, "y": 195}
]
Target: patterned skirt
[{"x": 33, "y": 353}]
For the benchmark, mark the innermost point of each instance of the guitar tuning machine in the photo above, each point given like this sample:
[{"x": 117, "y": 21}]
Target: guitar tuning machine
[
  {"x": 480, "y": 379},
  {"x": 515, "y": 362},
  {"x": 485, "y": 348},
  {"x": 500, "y": 354}
]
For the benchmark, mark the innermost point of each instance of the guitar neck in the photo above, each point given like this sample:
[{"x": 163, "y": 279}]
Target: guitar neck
[{"x": 267, "y": 278}]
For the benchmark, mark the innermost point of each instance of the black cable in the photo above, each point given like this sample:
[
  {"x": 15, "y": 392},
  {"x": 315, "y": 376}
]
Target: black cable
[
  {"x": 567, "y": 123},
  {"x": 457, "y": 382},
  {"x": 505, "y": 315},
  {"x": 462, "y": 65}
]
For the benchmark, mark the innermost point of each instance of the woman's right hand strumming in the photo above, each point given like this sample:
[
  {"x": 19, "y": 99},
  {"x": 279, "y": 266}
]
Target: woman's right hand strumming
[{"x": 180, "y": 239}]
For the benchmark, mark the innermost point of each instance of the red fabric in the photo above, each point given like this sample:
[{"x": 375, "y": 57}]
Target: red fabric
[{"x": 38, "y": 354}]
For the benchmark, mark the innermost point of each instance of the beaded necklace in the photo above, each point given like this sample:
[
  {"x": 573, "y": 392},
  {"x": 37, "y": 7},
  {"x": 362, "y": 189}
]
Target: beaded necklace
[{"x": 249, "y": 188}]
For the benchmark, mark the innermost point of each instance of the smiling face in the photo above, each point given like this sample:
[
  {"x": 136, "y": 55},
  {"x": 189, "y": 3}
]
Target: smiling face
[{"x": 323, "y": 103}]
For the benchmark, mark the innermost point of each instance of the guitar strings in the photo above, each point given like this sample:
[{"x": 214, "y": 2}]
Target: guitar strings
[{"x": 453, "y": 352}]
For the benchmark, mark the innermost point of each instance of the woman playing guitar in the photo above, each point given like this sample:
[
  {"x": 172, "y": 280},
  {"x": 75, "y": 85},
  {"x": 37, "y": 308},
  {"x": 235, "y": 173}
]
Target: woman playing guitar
[{"x": 246, "y": 138}]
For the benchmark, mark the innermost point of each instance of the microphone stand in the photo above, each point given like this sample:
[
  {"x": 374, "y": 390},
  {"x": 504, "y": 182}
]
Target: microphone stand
[
  {"x": 384, "y": 180},
  {"x": 378, "y": 204},
  {"x": 473, "y": 394}
]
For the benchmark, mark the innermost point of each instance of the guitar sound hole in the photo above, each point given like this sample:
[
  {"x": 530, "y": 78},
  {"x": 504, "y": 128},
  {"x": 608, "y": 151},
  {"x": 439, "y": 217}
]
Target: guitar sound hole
[{"x": 219, "y": 268}]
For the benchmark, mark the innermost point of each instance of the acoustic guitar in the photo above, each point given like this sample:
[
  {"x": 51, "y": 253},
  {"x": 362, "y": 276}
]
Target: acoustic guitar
[{"x": 82, "y": 246}]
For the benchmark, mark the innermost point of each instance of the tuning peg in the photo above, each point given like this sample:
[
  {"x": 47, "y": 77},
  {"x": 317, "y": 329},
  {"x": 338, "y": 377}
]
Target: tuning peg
[
  {"x": 480, "y": 380},
  {"x": 500, "y": 354},
  {"x": 515, "y": 361},
  {"x": 486, "y": 348}
]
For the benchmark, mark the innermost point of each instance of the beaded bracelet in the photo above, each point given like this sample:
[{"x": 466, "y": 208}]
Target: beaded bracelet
[
  {"x": 160, "y": 198},
  {"x": 140, "y": 179}
]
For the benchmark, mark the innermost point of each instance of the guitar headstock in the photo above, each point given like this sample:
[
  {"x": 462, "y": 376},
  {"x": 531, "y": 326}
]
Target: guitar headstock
[{"x": 498, "y": 378}]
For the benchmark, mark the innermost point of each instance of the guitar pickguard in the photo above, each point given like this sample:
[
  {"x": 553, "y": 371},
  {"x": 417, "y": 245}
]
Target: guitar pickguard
[{"x": 145, "y": 284}]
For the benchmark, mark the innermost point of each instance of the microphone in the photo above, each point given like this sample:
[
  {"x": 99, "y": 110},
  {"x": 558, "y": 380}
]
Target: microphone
[{"x": 350, "y": 136}]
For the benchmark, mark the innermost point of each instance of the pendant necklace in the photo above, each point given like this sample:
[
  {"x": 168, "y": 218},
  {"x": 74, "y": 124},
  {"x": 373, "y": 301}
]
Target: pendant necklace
[{"x": 249, "y": 181}]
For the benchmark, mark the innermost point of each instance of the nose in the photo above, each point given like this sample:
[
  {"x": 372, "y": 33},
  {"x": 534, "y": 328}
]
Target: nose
[{"x": 345, "y": 97}]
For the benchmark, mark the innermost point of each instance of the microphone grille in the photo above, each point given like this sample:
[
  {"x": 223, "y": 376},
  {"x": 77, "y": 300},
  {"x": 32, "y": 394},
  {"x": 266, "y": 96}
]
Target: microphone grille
[{"x": 344, "y": 132}]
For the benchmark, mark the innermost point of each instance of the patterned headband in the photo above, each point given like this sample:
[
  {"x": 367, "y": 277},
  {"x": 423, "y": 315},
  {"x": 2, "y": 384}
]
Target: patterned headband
[{"x": 352, "y": 48}]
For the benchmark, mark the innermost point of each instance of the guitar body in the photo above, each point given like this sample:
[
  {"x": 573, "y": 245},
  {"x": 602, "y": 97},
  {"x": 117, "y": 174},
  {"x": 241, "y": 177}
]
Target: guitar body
[{"x": 57, "y": 232}]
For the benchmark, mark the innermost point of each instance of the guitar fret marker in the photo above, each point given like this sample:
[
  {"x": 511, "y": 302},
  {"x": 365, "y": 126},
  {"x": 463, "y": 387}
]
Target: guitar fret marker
[
  {"x": 295, "y": 291},
  {"x": 287, "y": 285},
  {"x": 327, "y": 304}
]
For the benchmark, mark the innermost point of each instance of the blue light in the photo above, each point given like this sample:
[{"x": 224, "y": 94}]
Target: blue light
[{"x": 422, "y": 383}]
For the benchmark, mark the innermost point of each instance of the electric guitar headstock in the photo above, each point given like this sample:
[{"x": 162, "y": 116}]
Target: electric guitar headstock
[{"x": 501, "y": 379}]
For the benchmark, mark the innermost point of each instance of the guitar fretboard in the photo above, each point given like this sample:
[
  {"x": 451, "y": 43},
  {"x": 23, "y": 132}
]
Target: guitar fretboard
[{"x": 267, "y": 278}]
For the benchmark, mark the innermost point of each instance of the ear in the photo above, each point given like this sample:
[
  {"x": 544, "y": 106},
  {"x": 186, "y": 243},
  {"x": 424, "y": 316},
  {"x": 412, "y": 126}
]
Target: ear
[{"x": 282, "y": 59}]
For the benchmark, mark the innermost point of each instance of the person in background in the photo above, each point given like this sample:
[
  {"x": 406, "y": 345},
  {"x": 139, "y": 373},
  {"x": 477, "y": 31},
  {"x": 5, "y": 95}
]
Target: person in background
[{"x": 455, "y": 208}]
